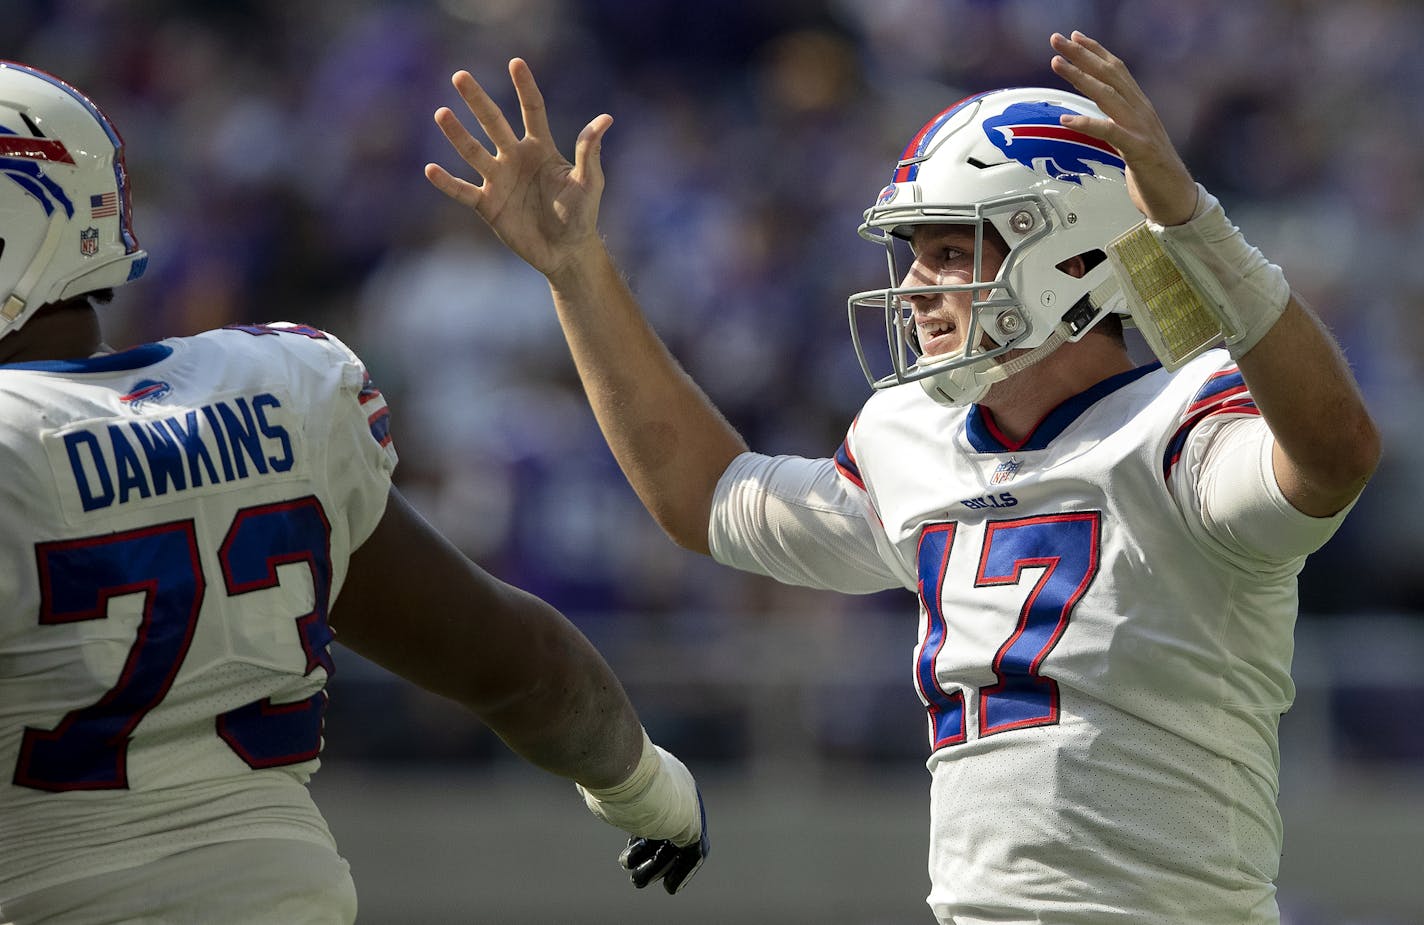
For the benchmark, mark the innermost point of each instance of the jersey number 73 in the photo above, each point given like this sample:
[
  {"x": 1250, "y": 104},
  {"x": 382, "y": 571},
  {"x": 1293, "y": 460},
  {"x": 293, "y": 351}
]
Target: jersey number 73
[{"x": 88, "y": 750}]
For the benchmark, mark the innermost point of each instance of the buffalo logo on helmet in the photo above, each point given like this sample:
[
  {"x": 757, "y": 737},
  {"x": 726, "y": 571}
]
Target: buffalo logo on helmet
[
  {"x": 1030, "y": 133},
  {"x": 19, "y": 160}
]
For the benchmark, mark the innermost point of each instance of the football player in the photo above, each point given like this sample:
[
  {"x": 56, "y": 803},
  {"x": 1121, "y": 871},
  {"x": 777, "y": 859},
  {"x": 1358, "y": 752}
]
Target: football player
[
  {"x": 185, "y": 526},
  {"x": 1105, "y": 554}
]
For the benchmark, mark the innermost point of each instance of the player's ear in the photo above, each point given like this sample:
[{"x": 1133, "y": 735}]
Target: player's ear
[{"x": 1075, "y": 267}]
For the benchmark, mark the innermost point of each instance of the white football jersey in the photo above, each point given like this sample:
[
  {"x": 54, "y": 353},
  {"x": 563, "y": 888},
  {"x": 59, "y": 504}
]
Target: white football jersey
[
  {"x": 1105, "y": 634},
  {"x": 175, "y": 521}
]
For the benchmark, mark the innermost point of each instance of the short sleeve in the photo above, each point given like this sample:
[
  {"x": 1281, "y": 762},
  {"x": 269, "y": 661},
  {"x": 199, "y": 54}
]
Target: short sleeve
[
  {"x": 360, "y": 453},
  {"x": 1229, "y": 478},
  {"x": 794, "y": 520}
]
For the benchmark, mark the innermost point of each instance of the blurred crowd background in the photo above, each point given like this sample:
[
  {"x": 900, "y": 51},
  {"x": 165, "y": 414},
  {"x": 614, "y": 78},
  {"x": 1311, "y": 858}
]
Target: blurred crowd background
[{"x": 276, "y": 151}]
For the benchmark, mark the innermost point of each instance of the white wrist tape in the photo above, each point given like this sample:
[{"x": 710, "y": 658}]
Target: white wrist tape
[
  {"x": 1191, "y": 285},
  {"x": 658, "y": 800}
]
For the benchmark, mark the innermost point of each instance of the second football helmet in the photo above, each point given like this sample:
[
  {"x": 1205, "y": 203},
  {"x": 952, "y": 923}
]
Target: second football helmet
[
  {"x": 1001, "y": 159},
  {"x": 65, "y": 221}
]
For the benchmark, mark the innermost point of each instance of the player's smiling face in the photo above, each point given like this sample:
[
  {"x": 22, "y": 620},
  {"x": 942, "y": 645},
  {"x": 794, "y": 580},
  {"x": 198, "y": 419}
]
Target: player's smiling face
[{"x": 944, "y": 256}]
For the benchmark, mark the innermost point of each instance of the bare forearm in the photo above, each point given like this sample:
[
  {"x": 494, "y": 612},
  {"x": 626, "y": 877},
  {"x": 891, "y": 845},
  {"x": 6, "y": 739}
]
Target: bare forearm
[
  {"x": 536, "y": 681},
  {"x": 1327, "y": 445},
  {"x": 671, "y": 441},
  {"x": 573, "y": 719},
  {"x": 415, "y": 605}
]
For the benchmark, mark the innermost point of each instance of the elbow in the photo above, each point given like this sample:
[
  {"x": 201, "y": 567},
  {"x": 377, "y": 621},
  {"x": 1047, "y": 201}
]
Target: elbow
[
  {"x": 529, "y": 652},
  {"x": 1337, "y": 478},
  {"x": 685, "y": 515},
  {"x": 694, "y": 543},
  {"x": 681, "y": 502},
  {"x": 1363, "y": 458},
  {"x": 687, "y": 529}
]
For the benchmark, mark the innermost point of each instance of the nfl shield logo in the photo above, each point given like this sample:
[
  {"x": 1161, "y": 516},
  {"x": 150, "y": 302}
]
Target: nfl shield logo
[
  {"x": 89, "y": 241},
  {"x": 1005, "y": 471}
]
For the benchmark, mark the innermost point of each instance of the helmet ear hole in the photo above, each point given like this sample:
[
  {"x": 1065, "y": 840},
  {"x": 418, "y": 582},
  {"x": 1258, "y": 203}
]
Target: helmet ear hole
[{"x": 1080, "y": 265}]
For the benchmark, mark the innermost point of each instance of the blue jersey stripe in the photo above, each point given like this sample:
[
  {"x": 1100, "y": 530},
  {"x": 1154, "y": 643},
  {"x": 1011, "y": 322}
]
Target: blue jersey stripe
[
  {"x": 847, "y": 465},
  {"x": 985, "y": 437},
  {"x": 1238, "y": 405},
  {"x": 107, "y": 363}
]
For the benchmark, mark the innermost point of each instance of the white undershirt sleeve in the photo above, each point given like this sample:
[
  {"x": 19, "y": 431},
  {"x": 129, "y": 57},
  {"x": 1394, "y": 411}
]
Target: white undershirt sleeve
[
  {"x": 794, "y": 520},
  {"x": 1229, "y": 477}
]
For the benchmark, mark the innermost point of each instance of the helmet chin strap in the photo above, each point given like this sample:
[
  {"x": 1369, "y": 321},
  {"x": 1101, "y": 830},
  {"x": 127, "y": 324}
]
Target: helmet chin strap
[
  {"x": 965, "y": 386},
  {"x": 17, "y": 306}
]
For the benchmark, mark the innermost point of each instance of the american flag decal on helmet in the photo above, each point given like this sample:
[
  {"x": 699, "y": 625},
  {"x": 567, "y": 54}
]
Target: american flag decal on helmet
[{"x": 104, "y": 205}]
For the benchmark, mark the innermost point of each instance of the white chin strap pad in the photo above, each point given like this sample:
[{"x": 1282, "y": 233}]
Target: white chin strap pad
[{"x": 966, "y": 385}]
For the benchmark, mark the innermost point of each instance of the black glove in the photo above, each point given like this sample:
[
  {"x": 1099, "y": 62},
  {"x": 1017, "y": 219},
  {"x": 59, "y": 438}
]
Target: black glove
[{"x": 649, "y": 859}]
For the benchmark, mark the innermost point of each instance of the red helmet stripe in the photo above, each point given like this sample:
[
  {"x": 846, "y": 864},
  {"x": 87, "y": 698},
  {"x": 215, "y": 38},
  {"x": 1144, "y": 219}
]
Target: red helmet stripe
[
  {"x": 907, "y": 171},
  {"x": 1063, "y": 133},
  {"x": 35, "y": 149}
]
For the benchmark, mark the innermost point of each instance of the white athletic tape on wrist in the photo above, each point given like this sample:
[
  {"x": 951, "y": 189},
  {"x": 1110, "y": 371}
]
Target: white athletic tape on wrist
[
  {"x": 1191, "y": 285},
  {"x": 658, "y": 800}
]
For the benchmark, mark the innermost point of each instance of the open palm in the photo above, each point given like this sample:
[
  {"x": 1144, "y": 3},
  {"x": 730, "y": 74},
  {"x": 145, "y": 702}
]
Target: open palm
[
  {"x": 1157, "y": 180},
  {"x": 541, "y": 206}
]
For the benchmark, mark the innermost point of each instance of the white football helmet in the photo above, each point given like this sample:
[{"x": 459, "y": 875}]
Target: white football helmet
[
  {"x": 65, "y": 218},
  {"x": 1052, "y": 193}
]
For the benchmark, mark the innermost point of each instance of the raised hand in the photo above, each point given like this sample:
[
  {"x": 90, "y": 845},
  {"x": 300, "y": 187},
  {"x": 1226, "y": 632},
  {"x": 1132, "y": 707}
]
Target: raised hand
[
  {"x": 1158, "y": 181},
  {"x": 542, "y": 207}
]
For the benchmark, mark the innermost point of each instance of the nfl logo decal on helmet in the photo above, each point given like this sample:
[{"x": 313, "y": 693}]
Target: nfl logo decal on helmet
[{"x": 65, "y": 221}]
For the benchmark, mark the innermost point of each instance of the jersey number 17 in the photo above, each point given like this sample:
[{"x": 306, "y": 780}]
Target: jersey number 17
[{"x": 1065, "y": 548}]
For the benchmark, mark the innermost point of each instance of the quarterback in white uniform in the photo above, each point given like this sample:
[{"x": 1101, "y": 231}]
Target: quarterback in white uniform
[
  {"x": 1106, "y": 610},
  {"x": 184, "y": 526},
  {"x": 1105, "y": 554}
]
